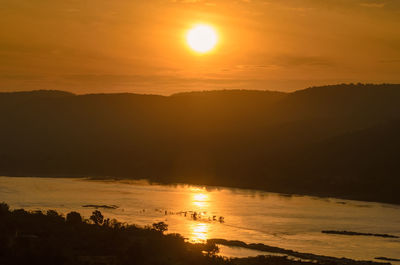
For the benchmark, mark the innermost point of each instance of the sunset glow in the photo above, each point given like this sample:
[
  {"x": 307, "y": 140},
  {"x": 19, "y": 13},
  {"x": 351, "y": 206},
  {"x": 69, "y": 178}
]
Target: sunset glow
[
  {"x": 200, "y": 132},
  {"x": 166, "y": 47}
]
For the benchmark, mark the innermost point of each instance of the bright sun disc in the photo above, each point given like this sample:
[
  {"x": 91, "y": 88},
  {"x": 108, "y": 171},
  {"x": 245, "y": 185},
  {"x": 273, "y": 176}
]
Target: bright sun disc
[{"x": 202, "y": 38}]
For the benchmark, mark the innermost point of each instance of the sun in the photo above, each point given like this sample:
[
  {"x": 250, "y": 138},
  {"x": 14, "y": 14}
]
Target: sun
[{"x": 202, "y": 38}]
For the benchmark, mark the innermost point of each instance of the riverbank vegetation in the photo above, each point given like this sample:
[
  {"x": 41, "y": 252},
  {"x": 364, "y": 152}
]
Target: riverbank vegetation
[{"x": 51, "y": 238}]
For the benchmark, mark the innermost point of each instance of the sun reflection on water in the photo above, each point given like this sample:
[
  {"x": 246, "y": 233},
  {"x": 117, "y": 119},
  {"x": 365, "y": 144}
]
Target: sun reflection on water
[
  {"x": 199, "y": 227},
  {"x": 199, "y": 232},
  {"x": 200, "y": 200}
]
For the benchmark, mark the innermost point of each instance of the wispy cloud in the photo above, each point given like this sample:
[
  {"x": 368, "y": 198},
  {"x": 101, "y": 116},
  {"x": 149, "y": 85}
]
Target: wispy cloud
[
  {"x": 373, "y": 5},
  {"x": 187, "y": 1}
]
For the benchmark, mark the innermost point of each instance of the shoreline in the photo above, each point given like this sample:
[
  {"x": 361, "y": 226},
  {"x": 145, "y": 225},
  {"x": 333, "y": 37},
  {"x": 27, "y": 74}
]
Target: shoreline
[
  {"x": 233, "y": 187},
  {"x": 307, "y": 257}
]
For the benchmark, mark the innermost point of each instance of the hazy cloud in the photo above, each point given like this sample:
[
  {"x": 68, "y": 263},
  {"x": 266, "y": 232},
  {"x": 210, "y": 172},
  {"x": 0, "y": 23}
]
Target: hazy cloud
[{"x": 373, "y": 5}]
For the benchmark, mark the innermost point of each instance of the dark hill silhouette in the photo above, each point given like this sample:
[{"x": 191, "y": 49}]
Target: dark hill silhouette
[
  {"x": 287, "y": 142},
  {"x": 362, "y": 163}
]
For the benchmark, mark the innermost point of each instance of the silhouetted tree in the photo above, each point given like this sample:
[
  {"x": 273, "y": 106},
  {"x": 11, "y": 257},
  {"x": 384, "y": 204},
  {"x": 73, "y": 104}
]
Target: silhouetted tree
[
  {"x": 52, "y": 213},
  {"x": 107, "y": 222},
  {"x": 211, "y": 248},
  {"x": 74, "y": 218},
  {"x": 97, "y": 217},
  {"x": 4, "y": 208},
  {"x": 160, "y": 227}
]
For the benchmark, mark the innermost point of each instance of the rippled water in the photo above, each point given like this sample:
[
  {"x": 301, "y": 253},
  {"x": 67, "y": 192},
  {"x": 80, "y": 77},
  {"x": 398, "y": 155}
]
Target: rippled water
[{"x": 292, "y": 222}]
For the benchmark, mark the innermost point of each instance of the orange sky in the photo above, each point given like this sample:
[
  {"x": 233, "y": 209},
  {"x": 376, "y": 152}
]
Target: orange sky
[{"x": 90, "y": 46}]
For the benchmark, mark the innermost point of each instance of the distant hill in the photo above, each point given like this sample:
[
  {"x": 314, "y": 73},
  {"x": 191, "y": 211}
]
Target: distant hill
[{"x": 338, "y": 140}]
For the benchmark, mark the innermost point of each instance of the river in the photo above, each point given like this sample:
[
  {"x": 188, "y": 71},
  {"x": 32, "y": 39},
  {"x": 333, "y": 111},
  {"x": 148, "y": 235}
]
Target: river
[{"x": 201, "y": 213}]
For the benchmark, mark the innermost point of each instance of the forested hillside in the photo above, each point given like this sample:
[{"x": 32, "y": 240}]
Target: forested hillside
[{"x": 339, "y": 140}]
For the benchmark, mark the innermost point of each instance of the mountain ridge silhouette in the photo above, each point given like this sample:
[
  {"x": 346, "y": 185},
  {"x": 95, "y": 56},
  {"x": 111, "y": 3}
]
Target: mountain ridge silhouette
[{"x": 337, "y": 140}]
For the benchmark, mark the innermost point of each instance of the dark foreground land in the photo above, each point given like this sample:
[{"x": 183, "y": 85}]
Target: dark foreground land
[
  {"x": 49, "y": 239},
  {"x": 338, "y": 141}
]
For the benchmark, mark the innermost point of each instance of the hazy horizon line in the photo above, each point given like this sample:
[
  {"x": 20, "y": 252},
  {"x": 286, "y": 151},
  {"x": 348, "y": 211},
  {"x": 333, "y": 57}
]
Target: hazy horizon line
[{"x": 199, "y": 91}]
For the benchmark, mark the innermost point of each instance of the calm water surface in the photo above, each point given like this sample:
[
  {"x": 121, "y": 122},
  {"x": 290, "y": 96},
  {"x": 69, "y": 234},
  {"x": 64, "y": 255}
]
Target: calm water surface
[{"x": 292, "y": 222}]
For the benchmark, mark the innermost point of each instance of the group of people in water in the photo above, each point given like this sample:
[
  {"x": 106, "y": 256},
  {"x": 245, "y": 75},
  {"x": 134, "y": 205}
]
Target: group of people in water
[{"x": 194, "y": 215}]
